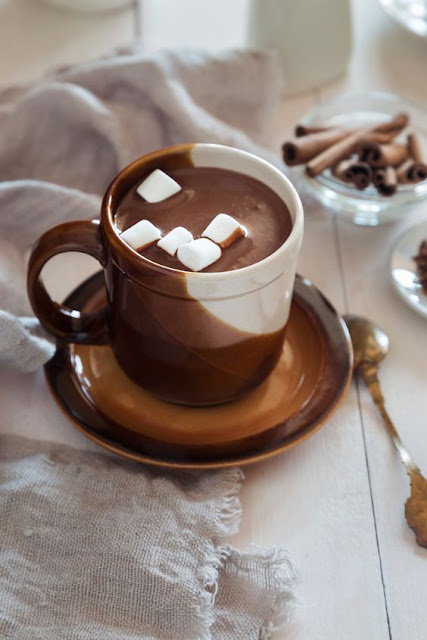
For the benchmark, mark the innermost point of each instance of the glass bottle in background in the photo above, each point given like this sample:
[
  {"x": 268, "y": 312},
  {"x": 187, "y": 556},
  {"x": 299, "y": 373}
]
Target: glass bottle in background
[{"x": 313, "y": 38}]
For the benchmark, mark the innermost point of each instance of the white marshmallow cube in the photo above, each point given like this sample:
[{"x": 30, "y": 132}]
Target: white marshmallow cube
[
  {"x": 174, "y": 239},
  {"x": 141, "y": 234},
  {"x": 223, "y": 230},
  {"x": 157, "y": 187},
  {"x": 198, "y": 254}
]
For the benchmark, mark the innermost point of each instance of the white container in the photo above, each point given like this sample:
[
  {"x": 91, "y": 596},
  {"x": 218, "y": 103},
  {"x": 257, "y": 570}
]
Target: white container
[{"x": 312, "y": 38}]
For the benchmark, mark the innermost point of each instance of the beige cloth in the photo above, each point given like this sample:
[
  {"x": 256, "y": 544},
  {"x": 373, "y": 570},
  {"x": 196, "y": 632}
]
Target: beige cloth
[{"x": 94, "y": 547}]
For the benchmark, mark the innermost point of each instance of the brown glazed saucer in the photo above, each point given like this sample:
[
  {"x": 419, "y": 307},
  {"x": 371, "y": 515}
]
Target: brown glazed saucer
[{"x": 304, "y": 389}]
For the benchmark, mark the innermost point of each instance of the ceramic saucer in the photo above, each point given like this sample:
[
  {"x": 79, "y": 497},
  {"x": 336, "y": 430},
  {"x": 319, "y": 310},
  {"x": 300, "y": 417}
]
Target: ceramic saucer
[
  {"x": 304, "y": 389},
  {"x": 403, "y": 269}
]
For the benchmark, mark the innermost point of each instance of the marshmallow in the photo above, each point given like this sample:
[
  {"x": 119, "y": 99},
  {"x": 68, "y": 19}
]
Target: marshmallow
[
  {"x": 157, "y": 187},
  {"x": 141, "y": 234},
  {"x": 223, "y": 230},
  {"x": 174, "y": 239},
  {"x": 198, "y": 254}
]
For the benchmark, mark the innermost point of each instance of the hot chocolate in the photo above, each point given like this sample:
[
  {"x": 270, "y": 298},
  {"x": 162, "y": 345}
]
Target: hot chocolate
[{"x": 261, "y": 219}]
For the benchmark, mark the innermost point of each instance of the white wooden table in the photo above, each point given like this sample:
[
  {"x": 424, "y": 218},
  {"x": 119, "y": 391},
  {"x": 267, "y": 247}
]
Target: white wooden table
[{"x": 335, "y": 501}]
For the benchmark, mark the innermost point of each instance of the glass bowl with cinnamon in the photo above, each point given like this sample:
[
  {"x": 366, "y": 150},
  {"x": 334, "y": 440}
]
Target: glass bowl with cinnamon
[{"x": 364, "y": 156}]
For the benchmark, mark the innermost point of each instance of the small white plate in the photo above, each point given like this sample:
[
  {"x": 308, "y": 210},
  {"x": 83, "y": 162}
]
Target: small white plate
[{"x": 403, "y": 268}]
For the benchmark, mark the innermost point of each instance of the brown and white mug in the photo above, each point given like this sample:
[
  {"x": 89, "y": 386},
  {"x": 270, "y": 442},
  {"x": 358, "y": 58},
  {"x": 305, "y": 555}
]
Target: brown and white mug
[{"x": 188, "y": 337}]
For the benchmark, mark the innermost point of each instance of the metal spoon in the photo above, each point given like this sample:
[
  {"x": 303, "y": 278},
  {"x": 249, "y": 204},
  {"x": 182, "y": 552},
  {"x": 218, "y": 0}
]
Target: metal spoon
[{"x": 370, "y": 345}]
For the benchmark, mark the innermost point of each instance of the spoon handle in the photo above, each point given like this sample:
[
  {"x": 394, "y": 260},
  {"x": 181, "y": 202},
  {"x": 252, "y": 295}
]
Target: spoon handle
[{"x": 369, "y": 374}]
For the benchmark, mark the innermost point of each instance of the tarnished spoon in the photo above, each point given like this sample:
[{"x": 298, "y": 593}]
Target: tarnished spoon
[{"x": 370, "y": 345}]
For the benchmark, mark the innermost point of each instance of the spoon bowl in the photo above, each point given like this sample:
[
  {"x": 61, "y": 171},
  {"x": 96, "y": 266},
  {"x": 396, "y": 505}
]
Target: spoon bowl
[{"x": 370, "y": 343}]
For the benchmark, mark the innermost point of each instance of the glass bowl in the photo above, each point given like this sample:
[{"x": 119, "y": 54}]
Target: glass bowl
[{"x": 366, "y": 207}]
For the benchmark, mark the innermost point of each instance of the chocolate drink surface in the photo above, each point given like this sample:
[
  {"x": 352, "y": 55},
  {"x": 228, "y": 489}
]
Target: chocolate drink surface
[{"x": 206, "y": 192}]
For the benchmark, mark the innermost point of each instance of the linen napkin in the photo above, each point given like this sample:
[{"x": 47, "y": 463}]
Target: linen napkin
[{"x": 94, "y": 547}]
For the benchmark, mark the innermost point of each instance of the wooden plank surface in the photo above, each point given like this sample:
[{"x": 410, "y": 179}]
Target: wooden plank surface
[
  {"x": 388, "y": 58},
  {"x": 335, "y": 501}
]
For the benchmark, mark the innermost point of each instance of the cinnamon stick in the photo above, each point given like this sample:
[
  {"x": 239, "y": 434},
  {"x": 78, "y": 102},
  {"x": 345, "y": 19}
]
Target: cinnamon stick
[
  {"x": 404, "y": 171},
  {"x": 418, "y": 171},
  {"x": 416, "y": 148},
  {"x": 346, "y": 147},
  {"x": 397, "y": 123},
  {"x": 384, "y": 137},
  {"x": 334, "y": 154},
  {"x": 382, "y": 155},
  {"x": 301, "y": 150},
  {"x": 380, "y": 136},
  {"x": 410, "y": 172},
  {"x": 385, "y": 180},
  {"x": 305, "y": 130},
  {"x": 342, "y": 170},
  {"x": 414, "y": 169},
  {"x": 356, "y": 172},
  {"x": 392, "y": 127}
]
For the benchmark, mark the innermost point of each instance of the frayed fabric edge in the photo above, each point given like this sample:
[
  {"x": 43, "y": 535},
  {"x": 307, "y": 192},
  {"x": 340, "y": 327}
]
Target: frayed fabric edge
[
  {"x": 285, "y": 602},
  {"x": 228, "y": 512},
  {"x": 208, "y": 581},
  {"x": 285, "y": 580},
  {"x": 227, "y": 519}
]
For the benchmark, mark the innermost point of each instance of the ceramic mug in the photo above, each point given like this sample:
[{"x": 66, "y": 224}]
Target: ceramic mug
[{"x": 190, "y": 338}]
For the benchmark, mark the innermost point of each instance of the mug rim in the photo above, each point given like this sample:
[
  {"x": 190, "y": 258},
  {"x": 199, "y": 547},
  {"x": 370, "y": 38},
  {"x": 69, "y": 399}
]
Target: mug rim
[{"x": 114, "y": 239}]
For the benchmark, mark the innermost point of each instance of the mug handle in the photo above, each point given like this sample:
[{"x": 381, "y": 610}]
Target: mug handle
[{"x": 70, "y": 325}]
